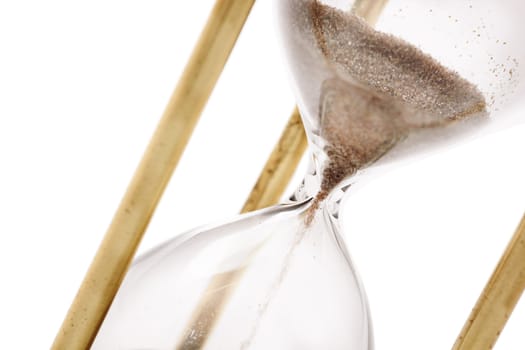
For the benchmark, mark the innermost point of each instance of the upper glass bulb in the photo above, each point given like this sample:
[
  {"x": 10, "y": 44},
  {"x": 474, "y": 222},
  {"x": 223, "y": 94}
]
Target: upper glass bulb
[{"x": 432, "y": 71}]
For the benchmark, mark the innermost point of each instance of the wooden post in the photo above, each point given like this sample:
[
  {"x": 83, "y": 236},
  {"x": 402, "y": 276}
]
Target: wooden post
[
  {"x": 118, "y": 247},
  {"x": 498, "y": 299}
]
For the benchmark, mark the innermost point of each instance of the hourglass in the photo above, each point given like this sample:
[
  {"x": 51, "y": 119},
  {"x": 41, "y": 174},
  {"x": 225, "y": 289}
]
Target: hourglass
[{"x": 282, "y": 278}]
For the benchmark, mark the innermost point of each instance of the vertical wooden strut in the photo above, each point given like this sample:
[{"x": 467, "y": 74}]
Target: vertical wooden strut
[
  {"x": 498, "y": 299},
  {"x": 118, "y": 247}
]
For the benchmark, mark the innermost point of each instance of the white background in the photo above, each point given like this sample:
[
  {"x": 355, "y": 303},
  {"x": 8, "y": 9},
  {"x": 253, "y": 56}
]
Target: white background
[{"x": 82, "y": 86}]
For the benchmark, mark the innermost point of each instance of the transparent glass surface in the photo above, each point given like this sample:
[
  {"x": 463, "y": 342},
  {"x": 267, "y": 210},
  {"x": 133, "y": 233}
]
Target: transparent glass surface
[
  {"x": 480, "y": 40},
  {"x": 281, "y": 278},
  {"x": 277, "y": 284}
]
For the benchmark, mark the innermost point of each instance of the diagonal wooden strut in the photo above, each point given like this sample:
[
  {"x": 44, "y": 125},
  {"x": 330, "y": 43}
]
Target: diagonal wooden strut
[
  {"x": 279, "y": 167},
  {"x": 498, "y": 299},
  {"x": 131, "y": 219}
]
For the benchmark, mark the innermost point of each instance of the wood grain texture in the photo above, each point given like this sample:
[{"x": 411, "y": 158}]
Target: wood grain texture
[
  {"x": 498, "y": 299},
  {"x": 131, "y": 219}
]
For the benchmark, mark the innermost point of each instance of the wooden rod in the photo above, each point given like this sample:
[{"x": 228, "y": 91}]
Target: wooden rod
[
  {"x": 279, "y": 167},
  {"x": 498, "y": 299},
  {"x": 268, "y": 189},
  {"x": 125, "y": 232}
]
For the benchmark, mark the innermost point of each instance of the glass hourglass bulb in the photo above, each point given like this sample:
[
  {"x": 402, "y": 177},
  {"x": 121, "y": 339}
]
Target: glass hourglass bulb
[{"x": 281, "y": 278}]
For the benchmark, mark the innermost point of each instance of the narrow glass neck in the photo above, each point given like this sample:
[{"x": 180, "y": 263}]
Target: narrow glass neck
[{"x": 310, "y": 187}]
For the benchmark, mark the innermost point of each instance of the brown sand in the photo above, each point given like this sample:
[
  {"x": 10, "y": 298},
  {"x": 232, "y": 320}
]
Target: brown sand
[{"x": 379, "y": 89}]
